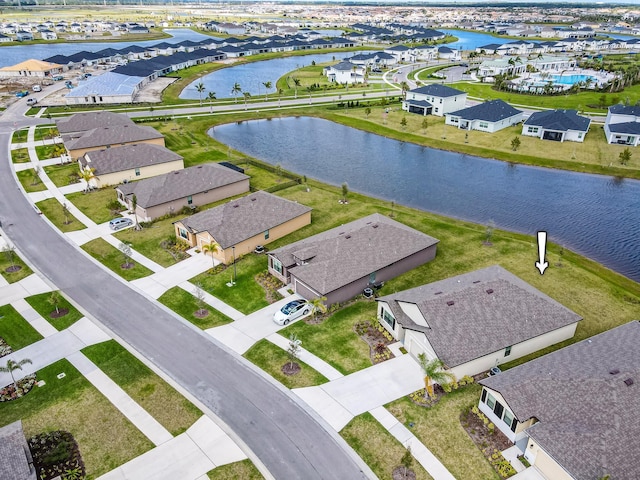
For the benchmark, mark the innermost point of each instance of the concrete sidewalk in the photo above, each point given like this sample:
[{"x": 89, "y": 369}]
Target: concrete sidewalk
[
  {"x": 188, "y": 456},
  {"x": 214, "y": 302},
  {"x": 165, "y": 278},
  {"x": 307, "y": 357},
  {"x": 31, "y": 285}
]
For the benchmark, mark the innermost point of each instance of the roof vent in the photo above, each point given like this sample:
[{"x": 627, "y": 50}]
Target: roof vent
[
  {"x": 490, "y": 291},
  {"x": 450, "y": 303},
  {"x": 438, "y": 293},
  {"x": 235, "y": 206},
  {"x": 176, "y": 172},
  {"x": 375, "y": 225},
  {"x": 199, "y": 166},
  {"x": 476, "y": 281},
  {"x": 628, "y": 382},
  {"x": 614, "y": 371},
  {"x": 347, "y": 236},
  {"x": 253, "y": 199}
]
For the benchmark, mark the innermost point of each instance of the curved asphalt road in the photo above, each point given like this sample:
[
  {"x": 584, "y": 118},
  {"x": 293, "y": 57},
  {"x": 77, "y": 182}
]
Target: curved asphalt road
[{"x": 284, "y": 436}]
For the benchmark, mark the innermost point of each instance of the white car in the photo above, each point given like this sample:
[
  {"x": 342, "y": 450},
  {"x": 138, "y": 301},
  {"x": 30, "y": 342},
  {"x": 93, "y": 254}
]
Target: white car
[{"x": 291, "y": 311}]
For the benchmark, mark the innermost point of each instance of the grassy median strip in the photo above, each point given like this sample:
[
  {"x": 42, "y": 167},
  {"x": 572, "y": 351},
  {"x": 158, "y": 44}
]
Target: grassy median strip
[
  {"x": 243, "y": 470},
  {"x": 15, "y": 330},
  {"x": 439, "y": 428},
  {"x": 12, "y": 268},
  {"x": 166, "y": 405},
  {"x": 271, "y": 359},
  {"x": 186, "y": 305},
  {"x": 20, "y": 155},
  {"x": 95, "y": 204},
  {"x": 66, "y": 314},
  {"x": 113, "y": 259},
  {"x": 105, "y": 437},
  {"x": 63, "y": 175},
  {"x": 378, "y": 448},
  {"x": 30, "y": 181},
  {"x": 53, "y": 210}
]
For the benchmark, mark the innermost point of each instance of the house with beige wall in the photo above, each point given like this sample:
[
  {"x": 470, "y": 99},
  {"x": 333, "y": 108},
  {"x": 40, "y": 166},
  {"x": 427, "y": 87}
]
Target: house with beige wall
[
  {"x": 340, "y": 263},
  {"x": 239, "y": 226},
  {"x": 192, "y": 187},
  {"x": 77, "y": 144},
  {"x": 476, "y": 321},
  {"x": 81, "y": 122},
  {"x": 112, "y": 166},
  {"x": 572, "y": 413}
]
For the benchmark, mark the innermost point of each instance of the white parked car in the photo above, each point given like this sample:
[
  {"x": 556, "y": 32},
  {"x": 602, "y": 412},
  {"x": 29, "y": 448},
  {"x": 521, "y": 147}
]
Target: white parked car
[{"x": 291, "y": 311}]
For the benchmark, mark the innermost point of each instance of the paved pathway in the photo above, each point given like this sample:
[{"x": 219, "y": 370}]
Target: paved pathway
[
  {"x": 307, "y": 357},
  {"x": 31, "y": 285},
  {"x": 214, "y": 302}
]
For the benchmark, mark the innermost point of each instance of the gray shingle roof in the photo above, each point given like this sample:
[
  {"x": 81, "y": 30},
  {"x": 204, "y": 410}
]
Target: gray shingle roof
[
  {"x": 245, "y": 217},
  {"x": 14, "y": 454},
  {"x": 81, "y": 122},
  {"x": 180, "y": 184},
  {"x": 625, "y": 127},
  {"x": 513, "y": 312},
  {"x": 118, "y": 159},
  {"x": 625, "y": 110},
  {"x": 437, "y": 90},
  {"x": 347, "y": 253},
  {"x": 103, "y": 136},
  {"x": 588, "y": 417},
  {"x": 492, "y": 111},
  {"x": 345, "y": 66},
  {"x": 559, "y": 120}
]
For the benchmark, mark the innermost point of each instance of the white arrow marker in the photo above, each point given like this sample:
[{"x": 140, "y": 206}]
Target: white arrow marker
[{"x": 541, "y": 264}]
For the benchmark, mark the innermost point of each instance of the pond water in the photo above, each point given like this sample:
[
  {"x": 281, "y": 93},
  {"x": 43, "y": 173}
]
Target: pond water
[
  {"x": 595, "y": 215},
  {"x": 18, "y": 53},
  {"x": 250, "y": 76}
]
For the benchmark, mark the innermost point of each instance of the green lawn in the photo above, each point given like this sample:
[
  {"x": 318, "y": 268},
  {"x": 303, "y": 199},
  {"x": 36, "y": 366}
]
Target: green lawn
[
  {"x": 334, "y": 339},
  {"x": 247, "y": 295},
  {"x": 94, "y": 204},
  {"x": 52, "y": 208},
  {"x": 378, "y": 448},
  {"x": 30, "y": 181},
  {"x": 15, "y": 330},
  {"x": 41, "y": 304},
  {"x": 105, "y": 437},
  {"x": 440, "y": 430},
  {"x": 45, "y": 151},
  {"x": 15, "y": 260},
  {"x": 271, "y": 358},
  {"x": 158, "y": 398},
  {"x": 20, "y": 155},
  {"x": 113, "y": 259},
  {"x": 243, "y": 470},
  {"x": 20, "y": 136},
  {"x": 185, "y": 305},
  {"x": 63, "y": 175},
  {"x": 45, "y": 133}
]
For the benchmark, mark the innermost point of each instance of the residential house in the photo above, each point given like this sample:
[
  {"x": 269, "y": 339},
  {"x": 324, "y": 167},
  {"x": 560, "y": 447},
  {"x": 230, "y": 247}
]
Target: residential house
[
  {"x": 16, "y": 462},
  {"x": 47, "y": 34},
  {"x": 572, "y": 412},
  {"x": 112, "y": 166},
  {"x": 108, "y": 88},
  {"x": 557, "y": 125},
  {"x": 106, "y": 137},
  {"x": 434, "y": 99},
  {"x": 401, "y": 53},
  {"x": 31, "y": 68},
  {"x": 239, "y": 226},
  {"x": 446, "y": 53},
  {"x": 345, "y": 73},
  {"x": 488, "y": 117},
  {"x": 81, "y": 122},
  {"x": 340, "y": 263},
  {"x": 622, "y": 125},
  {"x": 191, "y": 187},
  {"x": 23, "y": 36},
  {"x": 475, "y": 321},
  {"x": 5, "y": 38}
]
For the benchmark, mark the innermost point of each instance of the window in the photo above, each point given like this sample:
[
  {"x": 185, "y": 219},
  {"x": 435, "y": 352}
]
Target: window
[
  {"x": 137, "y": 172},
  {"x": 508, "y": 418},
  {"x": 532, "y": 130},
  {"x": 276, "y": 265},
  {"x": 183, "y": 233},
  {"x": 483, "y": 125},
  {"x": 483, "y": 397},
  {"x": 372, "y": 277},
  {"x": 498, "y": 409},
  {"x": 388, "y": 318},
  {"x": 189, "y": 200},
  {"x": 266, "y": 234},
  {"x": 507, "y": 351},
  {"x": 491, "y": 402}
]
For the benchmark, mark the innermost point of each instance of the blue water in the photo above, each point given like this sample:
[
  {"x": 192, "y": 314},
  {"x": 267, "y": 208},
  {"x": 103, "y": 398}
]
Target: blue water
[
  {"x": 595, "y": 215},
  {"x": 18, "y": 53},
  {"x": 251, "y": 76},
  {"x": 571, "y": 79},
  {"x": 471, "y": 40}
]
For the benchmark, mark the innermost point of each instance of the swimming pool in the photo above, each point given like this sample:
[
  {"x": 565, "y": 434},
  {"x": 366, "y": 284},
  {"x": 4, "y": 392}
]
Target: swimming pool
[{"x": 571, "y": 79}]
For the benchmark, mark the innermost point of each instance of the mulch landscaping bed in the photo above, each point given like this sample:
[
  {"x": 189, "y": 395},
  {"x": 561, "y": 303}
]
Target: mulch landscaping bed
[
  {"x": 291, "y": 368},
  {"x": 203, "y": 312},
  {"x": 376, "y": 339},
  {"x": 61, "y": 312},
  {"x": 56, "y": 454},
  {"x": 13, "y": 391},
  {"x": 270, "y": 284},
  {"x": 5, "y": 349},
  {"x": 12, "y": 268},
  {"x": 401, "y": 473}
]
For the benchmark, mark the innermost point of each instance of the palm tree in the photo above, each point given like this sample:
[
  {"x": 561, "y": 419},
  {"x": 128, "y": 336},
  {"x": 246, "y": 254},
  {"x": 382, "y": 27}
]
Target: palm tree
[
  {"x": 317, "y": 305},
  {"x": 279, "y": 95},
  {"x": 211, "y": 248},
  {"x": 200, "y": 88},
  {"x": 296, "y": 84},
  {"x": 236, "y": 90},
  {"x": 134, "y": 207},
  {"x": 433, "y": 372},
  {"x": 405, "y": 87},
  {"x": 211, "y": 97},
  {"x": 246, "y": 96},
  {"x": 12, "y": 365},
  {"x": 87, "y": 175},
  {"x": 267, "y": 87},
  {"x": 58, "y": 151}
]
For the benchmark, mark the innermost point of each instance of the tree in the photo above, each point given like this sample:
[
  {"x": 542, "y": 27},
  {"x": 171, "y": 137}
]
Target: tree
[
  {"x": 12, "y": 366},
  {"x": 200, "y": 88},
  {"x": 58, "y": 151},
  {"x": 515, "y": 143},
  {"x": 406, "y": 461},
  {"x": 488, "y": 232},
  {"x": 405, "y": 87},
  {"x": 625, "y": 156},
  {"x": 433, "y": 372},
  {"x": 10, "y": 252},
  {"x": 134, "y": 207},
  {"x": 211, "y": 97},
  {"x": 246, "y": 96},
  {"x": 293, "y": 350},
  {"x": 198, "y": 292},
  {"x": 403, "y": 123},
  {"x": 345, "y": 192},
  {"x": 54, "y": 300},
  {"x": 317, "y": 305},
  {"x": 126, "y": 251},
  {"x": 367, "y": 112},
  {"x": 280, "y": 91},
  {"x": 267, "y": 87},
  {"x": 65, "y": 212},
  {"x": 87, "y": 175},
  {"x": 211, "y": 248},
  {"x": 296, "y": 84},
  {"x": 235, "y": 90},
  {"x": 425, "y": 124}
]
